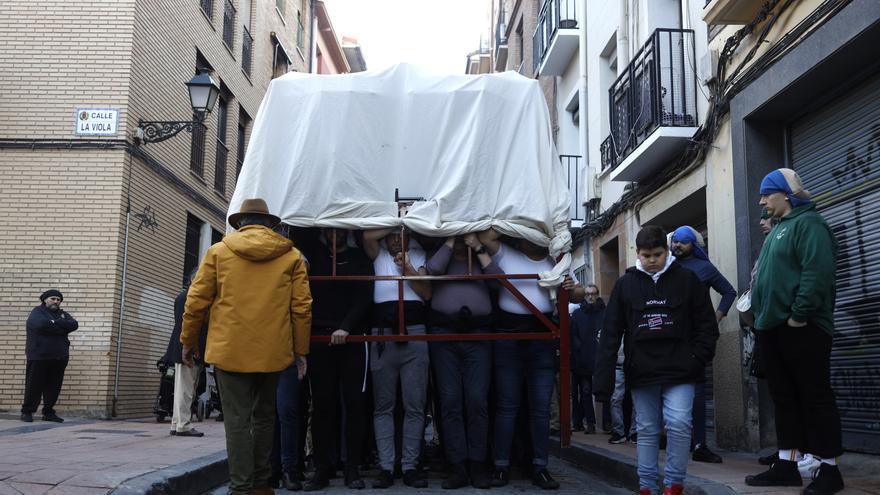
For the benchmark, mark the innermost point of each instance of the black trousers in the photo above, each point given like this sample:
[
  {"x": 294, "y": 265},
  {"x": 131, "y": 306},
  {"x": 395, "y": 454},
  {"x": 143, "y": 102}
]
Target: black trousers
[
  {"x": 797, "y": 362},
  {"x": 43, "y": 381},
  {"x": 334, "y": 372}
]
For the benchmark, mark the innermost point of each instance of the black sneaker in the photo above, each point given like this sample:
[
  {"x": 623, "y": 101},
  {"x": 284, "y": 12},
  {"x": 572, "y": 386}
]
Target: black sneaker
[
  {"x": 353, "y": 479},
  {"x": 290, "y": 481},
  {"x": 554, "y": 432},
  {"x": 192, "y": 432},
  {"x": 703, "y": 454},
  {"x": 27, "y": 417},
  {"x": 543, "y": 480},
  {"x": 781, "y": 473},
  {"x": 53, "y": 418},
  {"x": 768, "y": 459},
  {"x": 480, "y": 476},
  {"x": 617, "y": 438},
  {"x": 384, "y": 480},
  {"x": 634, "y": 438},
  {"x": 590, "y": 429},
  {"x": 501, "y": 477},
  {"x": 826, "y": 481},
  {"x": 577, "y": 428},
  {"x": 458, "y": 478},
  {"x": 413, "y": 478},
  {"x": 318, "y": 481}
]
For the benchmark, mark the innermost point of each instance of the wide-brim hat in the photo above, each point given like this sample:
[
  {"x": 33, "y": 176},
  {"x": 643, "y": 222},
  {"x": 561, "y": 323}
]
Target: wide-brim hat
[{"x": 253, "y": 206}]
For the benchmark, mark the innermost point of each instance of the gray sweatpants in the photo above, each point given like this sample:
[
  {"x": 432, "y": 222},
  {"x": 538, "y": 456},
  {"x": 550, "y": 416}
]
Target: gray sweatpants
[{"x": 408, "y": 362}]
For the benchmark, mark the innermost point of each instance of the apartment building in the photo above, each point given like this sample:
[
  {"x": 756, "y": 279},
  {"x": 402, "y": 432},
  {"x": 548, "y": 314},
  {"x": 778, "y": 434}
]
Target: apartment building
[{"x": 92, "y": 204}]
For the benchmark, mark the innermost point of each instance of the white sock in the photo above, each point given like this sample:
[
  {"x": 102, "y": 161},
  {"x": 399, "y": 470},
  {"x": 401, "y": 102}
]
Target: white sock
[
  {"x": 789, "y": 455},
  {"x": 830, "y": 462}
]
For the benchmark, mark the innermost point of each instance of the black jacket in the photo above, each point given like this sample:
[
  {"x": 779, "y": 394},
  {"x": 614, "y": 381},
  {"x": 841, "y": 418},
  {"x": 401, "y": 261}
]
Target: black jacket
[
  {"x": 668, "y": 328},
  {"x": 586, "y": 321},
  {"x": 47, "y": 334},
  {"x": 339, "y": 304},
  {"x": 174, "y": 352}
]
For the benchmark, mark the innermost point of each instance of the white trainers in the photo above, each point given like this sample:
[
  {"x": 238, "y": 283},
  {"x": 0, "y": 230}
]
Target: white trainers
[{"x": 808, "y": 466}]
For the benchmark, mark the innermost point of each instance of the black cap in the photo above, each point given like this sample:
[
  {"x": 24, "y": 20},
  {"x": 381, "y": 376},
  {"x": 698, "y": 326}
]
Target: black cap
[{"x": 49, "y": 293}]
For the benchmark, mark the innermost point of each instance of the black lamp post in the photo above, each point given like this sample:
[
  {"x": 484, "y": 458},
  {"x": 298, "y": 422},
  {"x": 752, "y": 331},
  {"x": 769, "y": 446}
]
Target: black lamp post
[{"x": 203, "y": 92}]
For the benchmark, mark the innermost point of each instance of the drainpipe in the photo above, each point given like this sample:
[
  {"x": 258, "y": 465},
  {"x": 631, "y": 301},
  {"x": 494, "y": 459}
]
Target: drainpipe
[
  {"x": 623, "y": 36},
  {"x": 583, "y": 116},
  {"x": 113, "y": 411},
  {"x": 311, "y": 33}
]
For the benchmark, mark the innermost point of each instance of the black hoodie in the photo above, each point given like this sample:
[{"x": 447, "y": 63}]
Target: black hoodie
[
  {"x": 47, "y": 333},
  {"x": 668, "y": 327},
  {"x": 586, "y": 321}
]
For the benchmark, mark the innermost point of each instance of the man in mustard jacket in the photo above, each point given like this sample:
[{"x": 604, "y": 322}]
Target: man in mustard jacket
[{"x": 255, "y": 284}]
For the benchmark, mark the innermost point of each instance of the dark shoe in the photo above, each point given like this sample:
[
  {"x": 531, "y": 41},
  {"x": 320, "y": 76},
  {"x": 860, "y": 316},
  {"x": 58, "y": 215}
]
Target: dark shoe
[
  {"x": 781, "y": 473},
  {"x": 319, "y": 481},
  {"x": 634, "y": 438},
  {"x": 674, "y": 489},
  {"x": 607, "y": 428},
  {"x": 617, "y": 438},
  {"x": 413, "y": 478},
  {"x": 590, "y": 429},
  {"x": 768, "y": 459},
  {"x": 353, "y": 479},
  {"x": 384, "y": 480},
  {"x": 290, "y": 481},
  {"x": 27, "y": 417},
  {"x": 544, "y": 481},
  {"x": 703, "y": 454},
  {"x": 501, "y": 477},
  {"x": 554, "y": 432},
  {"x": 826, "y": 481},
  {"x": 219, "y": 418},
  {"x": 53, "y": 418},
  {"x": 577, "y": 428},
  {"x": 173, "y": 433},
  {"x": 190, "y": 433},
  {"x": 458, "y": 478},
  {"x": 480, "y": 476}
]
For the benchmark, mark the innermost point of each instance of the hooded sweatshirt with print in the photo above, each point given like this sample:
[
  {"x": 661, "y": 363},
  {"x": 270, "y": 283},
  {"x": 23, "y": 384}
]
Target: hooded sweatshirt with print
[
  {"x": 255, "y": 284},
  {"x": 796, "y": 272},
  {"x": 667, "y": 325}
]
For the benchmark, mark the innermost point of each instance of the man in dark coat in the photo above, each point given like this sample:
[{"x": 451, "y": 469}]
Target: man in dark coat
[
  {"x": 586, "y": 321},
  {"x": 185, "y": 378},
  {"x": 47, "y": 351}
]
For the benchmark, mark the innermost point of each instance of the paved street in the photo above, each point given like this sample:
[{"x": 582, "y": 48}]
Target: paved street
[{"x": 572, "y": 480}]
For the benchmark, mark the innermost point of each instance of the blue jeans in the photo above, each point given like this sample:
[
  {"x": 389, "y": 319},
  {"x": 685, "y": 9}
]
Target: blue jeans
[
  {"x": 582, "y": 400},
  {"x": 617, "y": 421},
  {"x": 518, "y": 362},
  {"x": 671, "y": 404},
  {"x": 288, "y": 396},
  {"x": 463, "y": 371}
]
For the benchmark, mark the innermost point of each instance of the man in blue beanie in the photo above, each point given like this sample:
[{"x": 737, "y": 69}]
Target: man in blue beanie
[
  {"x": 793, "y": 302},
  {"x": 687, "y": 246}
]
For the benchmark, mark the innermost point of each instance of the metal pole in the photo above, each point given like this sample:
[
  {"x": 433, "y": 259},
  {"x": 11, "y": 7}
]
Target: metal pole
[{"x": 121, "y": 312}]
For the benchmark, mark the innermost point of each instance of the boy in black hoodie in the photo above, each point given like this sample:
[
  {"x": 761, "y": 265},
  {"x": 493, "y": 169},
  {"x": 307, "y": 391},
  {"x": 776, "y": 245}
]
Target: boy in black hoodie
[{"x": 664, "y": 315}]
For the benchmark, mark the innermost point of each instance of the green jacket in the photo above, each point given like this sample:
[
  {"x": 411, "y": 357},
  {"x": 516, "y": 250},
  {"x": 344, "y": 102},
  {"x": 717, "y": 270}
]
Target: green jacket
[{"x": 795, "y": 275}]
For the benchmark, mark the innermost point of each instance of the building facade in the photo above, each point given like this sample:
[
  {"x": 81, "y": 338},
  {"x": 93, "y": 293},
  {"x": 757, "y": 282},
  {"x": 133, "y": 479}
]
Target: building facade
[{"x": 114, "y": 222}]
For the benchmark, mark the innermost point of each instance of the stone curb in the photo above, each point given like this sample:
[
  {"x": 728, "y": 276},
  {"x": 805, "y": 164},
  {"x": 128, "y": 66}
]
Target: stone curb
[
  {"x": 620, "y": 469},
  {"x": 193, "y": 477}
]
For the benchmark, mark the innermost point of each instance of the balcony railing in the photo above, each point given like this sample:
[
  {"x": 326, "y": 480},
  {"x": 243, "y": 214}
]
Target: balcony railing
[
  {"x": 207, "y": 7},
  {"x": 300, "y": 35},
  {"x": 554, "y": 14},
  {"x": 228, "y": 23},
  {"x": 572, "y": 165},
  {"x": 657, "y": 89},
  {"x": 220, "y": 168},
  {"x": 247, "y": 50}
]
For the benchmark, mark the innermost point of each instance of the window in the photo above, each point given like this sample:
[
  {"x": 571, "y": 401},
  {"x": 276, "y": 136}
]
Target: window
[
  {"x": 222, "y": 149},
  {"x": 241, "y": 144},
  {"x": 281, "y": 60},
  {"x": 247, "y": 41},
  {"x": 192, "y": 247},
  {"x": 207, "y": 7},
  {"x": 279, "y": 4},
  {"x": 228, "y": 23}
]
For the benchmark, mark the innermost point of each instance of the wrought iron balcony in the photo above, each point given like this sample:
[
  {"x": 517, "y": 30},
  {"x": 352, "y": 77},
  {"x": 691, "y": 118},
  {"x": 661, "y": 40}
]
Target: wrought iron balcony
[
  {"x": 572, "y": 165},
  {"x": 556, "y": 37},
  {"x": 247, "y": 51},
  {"x": 653, "y": 107},
  {"x": 228, "y": 23}
]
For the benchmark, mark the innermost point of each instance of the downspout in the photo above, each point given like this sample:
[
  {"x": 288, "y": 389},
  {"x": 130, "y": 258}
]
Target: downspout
[
  {"x": 583, "y": 116},
  {"x": 113, "y": 411},
  {"x": 311, "y": 33},
  {"x": 623, "y": 36}
]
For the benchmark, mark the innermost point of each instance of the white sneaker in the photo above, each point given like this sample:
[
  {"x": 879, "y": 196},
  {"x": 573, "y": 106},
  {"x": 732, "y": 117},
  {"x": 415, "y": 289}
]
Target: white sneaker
[{"x": 808, "y": 466}]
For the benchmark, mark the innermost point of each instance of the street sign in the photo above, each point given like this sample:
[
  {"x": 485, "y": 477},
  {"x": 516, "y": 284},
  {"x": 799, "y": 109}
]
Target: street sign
[{"x": 97, "y": 121}]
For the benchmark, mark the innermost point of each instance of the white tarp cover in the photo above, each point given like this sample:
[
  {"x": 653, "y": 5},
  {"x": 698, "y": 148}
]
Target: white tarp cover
[{"x": 330, "y": 150}]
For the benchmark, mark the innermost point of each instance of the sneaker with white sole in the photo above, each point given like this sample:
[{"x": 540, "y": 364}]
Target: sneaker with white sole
[{"x": 808, "y": 466}]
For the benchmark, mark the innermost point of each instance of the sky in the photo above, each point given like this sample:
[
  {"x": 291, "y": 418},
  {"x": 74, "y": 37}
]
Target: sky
[{"x": 434, "y": 34}]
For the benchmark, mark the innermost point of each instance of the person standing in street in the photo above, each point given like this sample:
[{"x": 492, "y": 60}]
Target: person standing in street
[
  {"x": 664, "y": 316},
  {"x": 255, "y": 284},
  {"x": 186, "y": 378},
  {"x": 792, "y": 299},
  {"x": 48, "y": 350},
  {"x": 586, "y": 323},
  {"x": 338, "y": 369},
  {"x": 687, "y": 246}
]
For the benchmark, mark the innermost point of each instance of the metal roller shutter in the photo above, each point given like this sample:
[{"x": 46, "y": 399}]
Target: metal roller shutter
[{"x": 836, "y": 150}]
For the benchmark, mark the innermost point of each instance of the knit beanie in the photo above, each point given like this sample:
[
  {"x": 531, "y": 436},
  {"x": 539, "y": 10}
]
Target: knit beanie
[{"x": 50, "y": 293}]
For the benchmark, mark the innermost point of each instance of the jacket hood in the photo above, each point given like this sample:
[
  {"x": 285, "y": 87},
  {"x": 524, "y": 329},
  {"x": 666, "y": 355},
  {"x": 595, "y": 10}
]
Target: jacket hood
[
  {"x": 257, "y": 243},
  {"x": 597, "y": 306},
  {"x": 654, "y": 276}
]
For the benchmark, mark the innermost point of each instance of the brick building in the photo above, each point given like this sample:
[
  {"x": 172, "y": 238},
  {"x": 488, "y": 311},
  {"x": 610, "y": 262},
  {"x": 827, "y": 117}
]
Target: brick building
[{"x": 115, "y": 225}]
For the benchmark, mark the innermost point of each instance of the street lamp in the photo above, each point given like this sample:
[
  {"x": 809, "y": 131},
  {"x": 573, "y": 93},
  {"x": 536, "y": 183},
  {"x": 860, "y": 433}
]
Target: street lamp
[{"x": 203, "y": 92}]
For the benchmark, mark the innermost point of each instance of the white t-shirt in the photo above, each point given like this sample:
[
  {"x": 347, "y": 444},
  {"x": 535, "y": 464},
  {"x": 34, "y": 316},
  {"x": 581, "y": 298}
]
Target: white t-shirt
[
  {"x": 386, "y": 290},
  {"x": 513, "y": 262}
]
